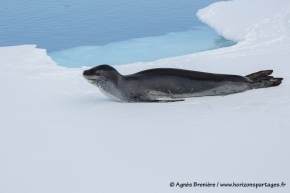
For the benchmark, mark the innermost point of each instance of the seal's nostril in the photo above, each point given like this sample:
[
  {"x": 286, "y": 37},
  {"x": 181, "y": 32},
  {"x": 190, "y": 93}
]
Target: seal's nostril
[{"x": 85, "y": 73}]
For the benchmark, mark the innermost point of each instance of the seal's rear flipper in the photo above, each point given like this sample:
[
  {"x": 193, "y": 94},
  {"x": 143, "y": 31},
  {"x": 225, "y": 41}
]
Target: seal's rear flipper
[
  {"x": 271, "y": 82},
  {"x": 262, "y": 79},
  {"x": 260, "y": 75},
  {"x": 166, "y": 101}
]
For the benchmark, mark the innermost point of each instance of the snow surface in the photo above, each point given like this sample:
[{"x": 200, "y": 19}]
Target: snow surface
[{"x": 60, "y": 134}]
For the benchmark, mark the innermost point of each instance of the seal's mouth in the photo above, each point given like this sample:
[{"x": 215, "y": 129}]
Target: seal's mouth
[
  {"x": 91, "y": 76},
  {"x": 91, "y": 79}
]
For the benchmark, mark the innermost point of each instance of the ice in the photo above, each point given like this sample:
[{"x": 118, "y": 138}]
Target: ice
[
  {"x": 142, "y": 49},
  {"x": 60, "y": 134}
]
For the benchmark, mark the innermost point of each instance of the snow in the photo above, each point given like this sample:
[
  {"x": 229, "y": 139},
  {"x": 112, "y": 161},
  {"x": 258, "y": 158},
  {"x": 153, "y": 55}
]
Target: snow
[{"x": 60, "y": 134}]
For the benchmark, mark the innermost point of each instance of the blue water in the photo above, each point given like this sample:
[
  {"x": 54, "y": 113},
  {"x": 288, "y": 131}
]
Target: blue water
[{"x": 90, "y": 32}]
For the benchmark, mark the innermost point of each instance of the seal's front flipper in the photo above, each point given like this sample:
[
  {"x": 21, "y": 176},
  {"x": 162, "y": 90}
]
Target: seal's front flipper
[{"x": 166, "y": 101}]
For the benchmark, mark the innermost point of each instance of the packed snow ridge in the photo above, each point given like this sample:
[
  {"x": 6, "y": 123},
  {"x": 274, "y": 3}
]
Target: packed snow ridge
[{"x": 60, "y": 134}]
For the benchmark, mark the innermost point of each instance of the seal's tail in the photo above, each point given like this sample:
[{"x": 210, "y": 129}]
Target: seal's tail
[{"x": 262, "y": 79}]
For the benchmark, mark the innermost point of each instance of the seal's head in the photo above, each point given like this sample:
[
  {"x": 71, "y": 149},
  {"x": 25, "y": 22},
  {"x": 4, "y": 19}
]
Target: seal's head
[
  {"x": 101, "y": 73},
  {"x": 106, "y": 79}
]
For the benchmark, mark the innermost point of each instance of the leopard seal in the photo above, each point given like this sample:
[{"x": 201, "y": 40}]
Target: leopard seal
[{"x": 170, "y": 84}]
